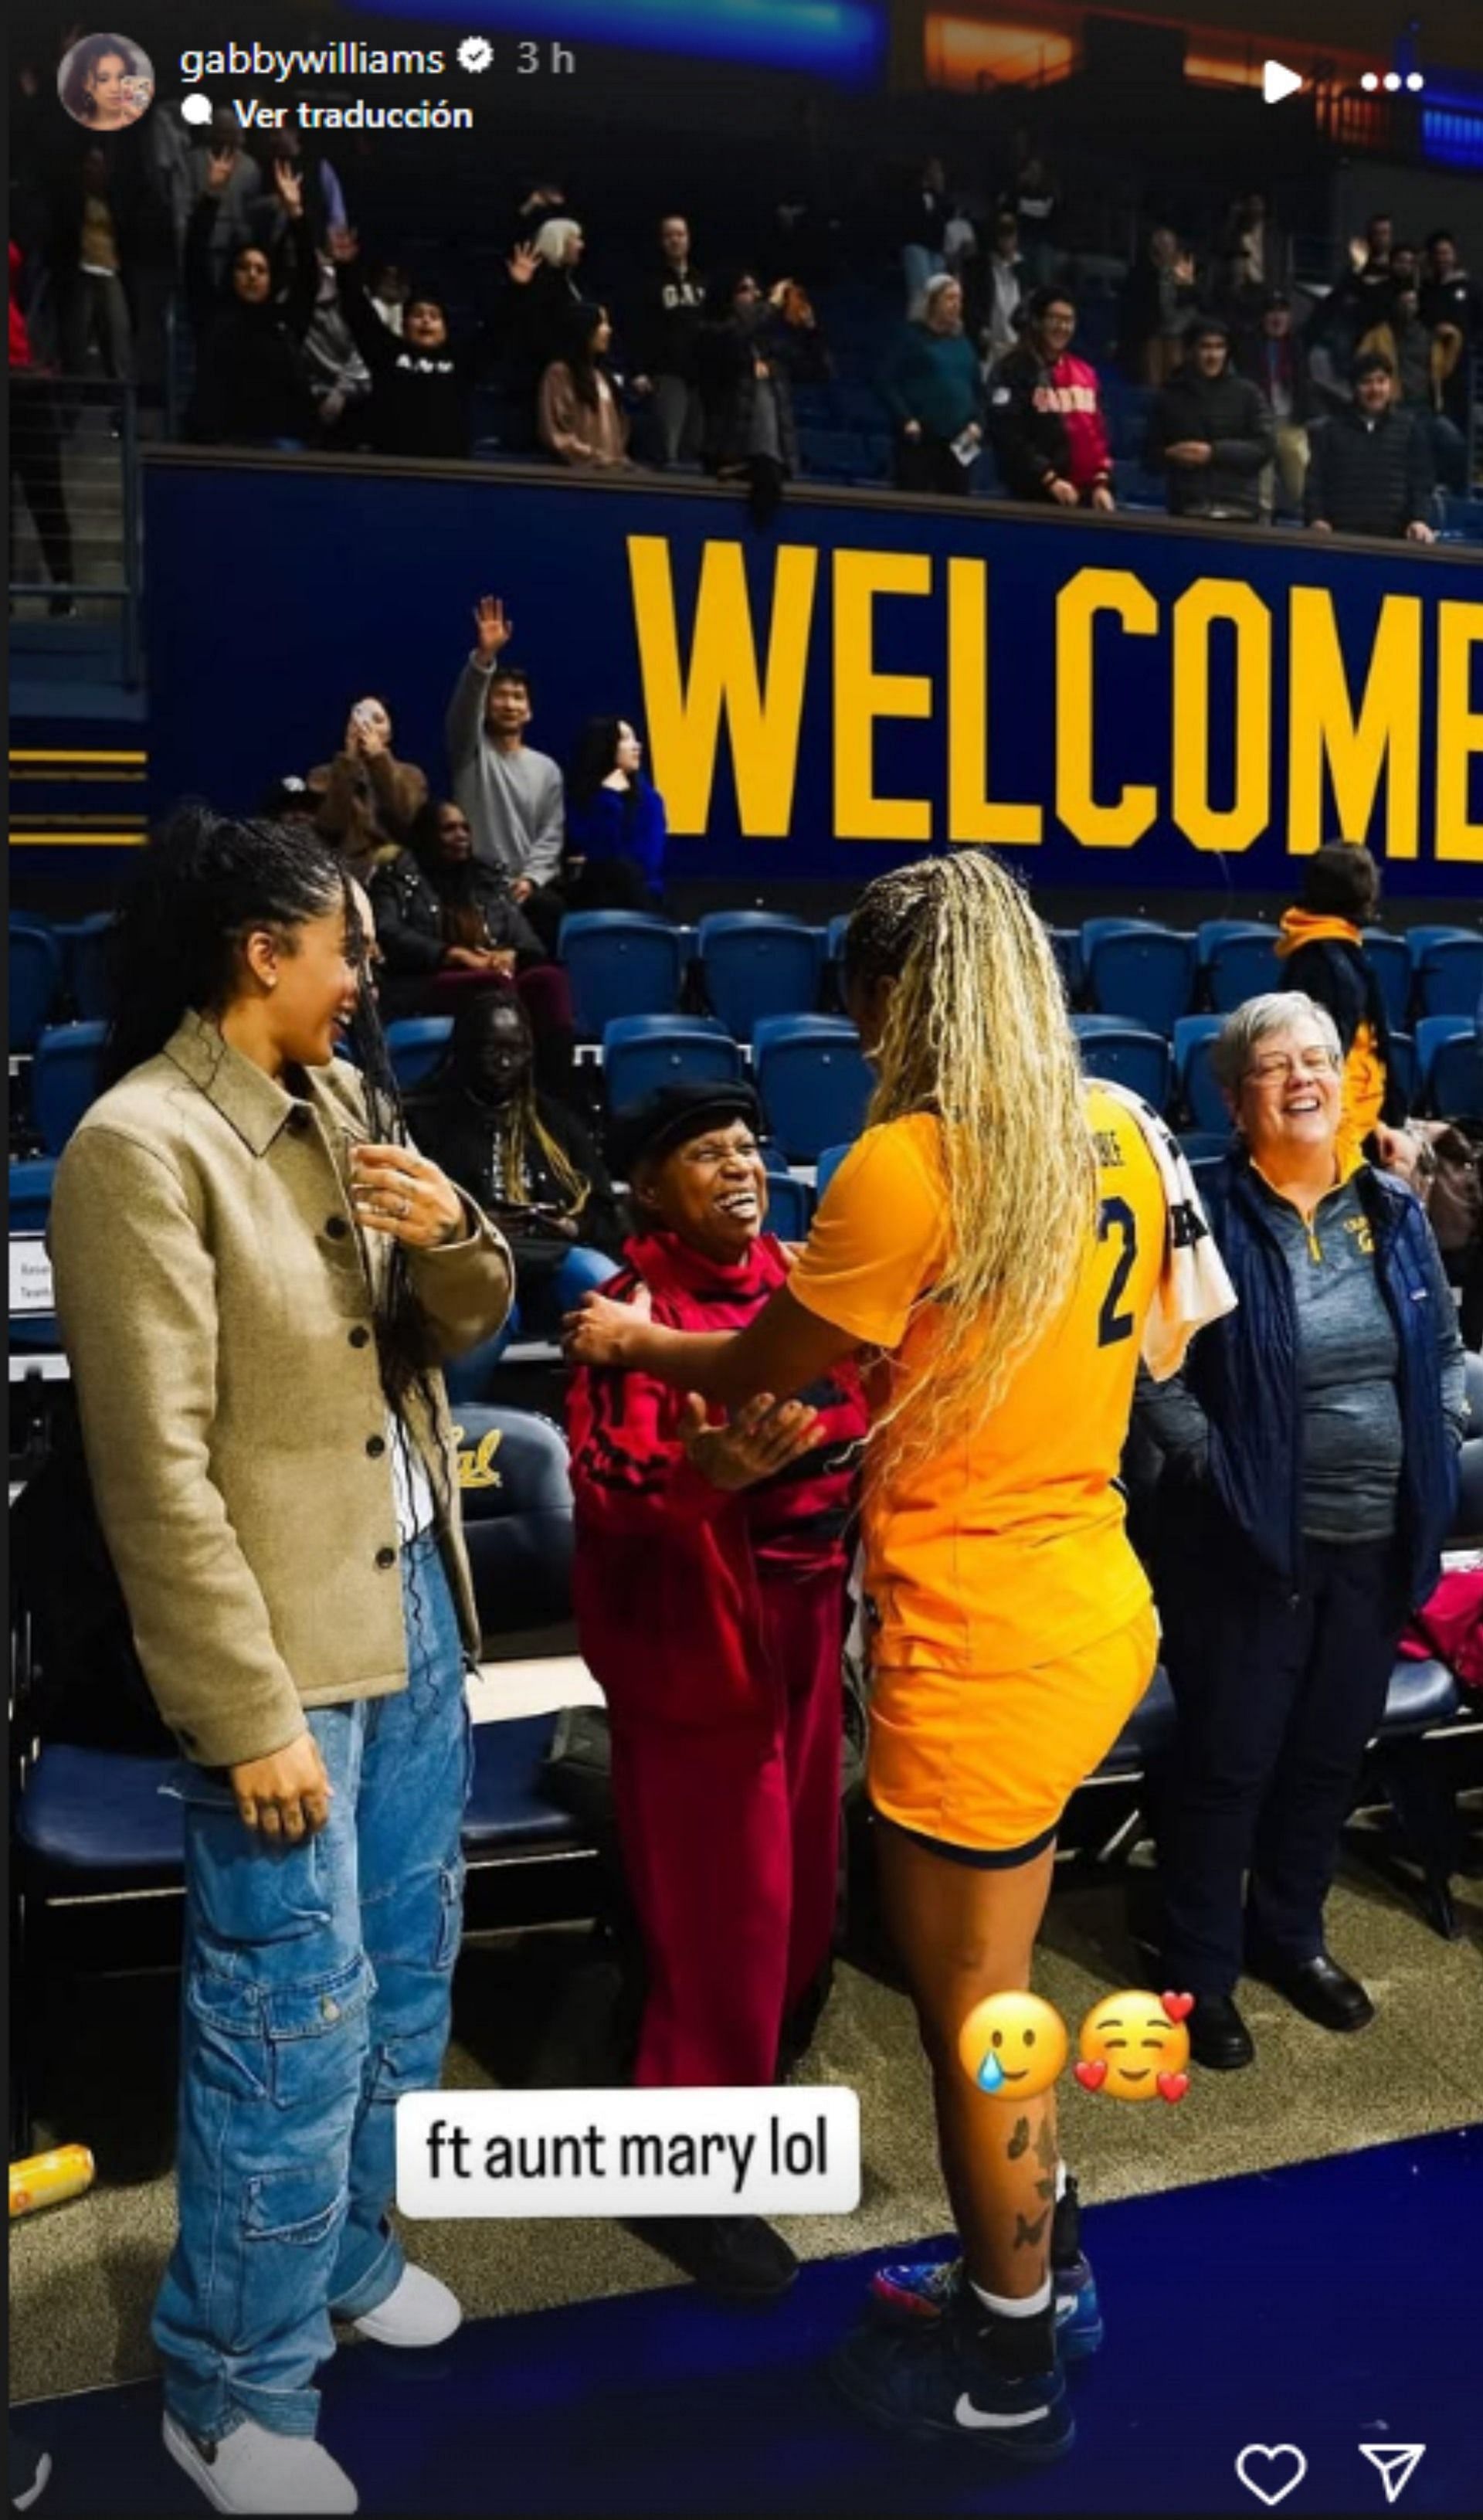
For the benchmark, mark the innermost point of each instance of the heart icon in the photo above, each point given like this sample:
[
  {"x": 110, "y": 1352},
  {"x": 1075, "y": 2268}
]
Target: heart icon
[
  {"x": 1091, "y": 2077},
  {"x": 1173, "y": 2086},
  {"x": 1177, "y": 2006},
  {"x": 1257, "y": 2454}
]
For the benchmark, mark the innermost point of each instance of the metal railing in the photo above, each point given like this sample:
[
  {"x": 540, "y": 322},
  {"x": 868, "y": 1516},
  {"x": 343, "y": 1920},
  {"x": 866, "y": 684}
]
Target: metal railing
[{"x": 76, "y": 574}]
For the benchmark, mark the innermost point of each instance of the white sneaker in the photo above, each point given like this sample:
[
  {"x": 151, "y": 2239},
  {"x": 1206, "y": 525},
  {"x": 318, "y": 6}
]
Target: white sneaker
[
  {"x": 256, "y": 2470},
  {"x": 420, "y": 2311}
]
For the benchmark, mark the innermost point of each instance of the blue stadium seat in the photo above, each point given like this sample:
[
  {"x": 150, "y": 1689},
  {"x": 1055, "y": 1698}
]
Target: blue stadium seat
[
  {"x": 1197, "y": 1089},
  {"x": 1141, "y": 970},
  {"x": 30, "y": 1194},
  {"x": 1402, "y": 1061},
  {"x": 1204, "y": 1169},
  {"x": 1129, "y": 1053},
  {"x": 65, "y": 1079},
  {"x": 1450, "y": 976},
  {"x": 1205, "y": 1146},
  {"x": 835, "y": 935},
  {"x": 1419, "y": 940},
  {"x": 1066, "y": 945},
  {"x": 620, "y": 963},
  {"x": 1451, "y": 1065},
  {"x": 1240, "y": 964},
  {"x": 1393, "y": 969},
  {"x": 1149, "y": 1733},
  {"x": 85, "y": 966},
  {"x": 758, "y": 962},
  {"x": 35, "y": 975},
  {"x": 418, "y": 1045},
  {"x": 640, "y": 1052},
  {"x": 790, "y": 1205},
  {"x": 825, "y": 1169},
  {"x": 812, "y": 1082}
]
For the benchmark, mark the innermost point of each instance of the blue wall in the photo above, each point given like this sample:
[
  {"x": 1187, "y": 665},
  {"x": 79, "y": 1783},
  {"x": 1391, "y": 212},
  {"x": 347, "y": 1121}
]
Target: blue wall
[{"x": 1111, "y": 656}]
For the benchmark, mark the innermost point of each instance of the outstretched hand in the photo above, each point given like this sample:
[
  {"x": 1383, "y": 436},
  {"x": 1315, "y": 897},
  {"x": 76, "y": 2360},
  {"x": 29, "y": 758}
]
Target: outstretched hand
[
  {"x": 601, "y": 1331},
  {"x": 760, "y": 1440},
  {"x": 523, "y": 264},
  {"x": 492, "y": 630},
  {"x": 290, "y": 188}
]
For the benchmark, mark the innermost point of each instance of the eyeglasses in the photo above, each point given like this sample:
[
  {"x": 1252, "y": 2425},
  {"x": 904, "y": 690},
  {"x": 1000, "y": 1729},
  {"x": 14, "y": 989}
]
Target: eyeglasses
[{"x": 1308, "y": 1062}]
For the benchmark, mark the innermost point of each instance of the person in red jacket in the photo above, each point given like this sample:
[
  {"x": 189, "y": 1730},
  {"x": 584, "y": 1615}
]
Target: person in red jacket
[
  {"x": 709, "y": 1588},
  {"x": 1046, "y": 415}
]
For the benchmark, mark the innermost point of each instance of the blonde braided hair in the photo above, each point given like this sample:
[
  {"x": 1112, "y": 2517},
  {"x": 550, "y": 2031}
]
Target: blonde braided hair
[{"x": 976, "y": 1032}]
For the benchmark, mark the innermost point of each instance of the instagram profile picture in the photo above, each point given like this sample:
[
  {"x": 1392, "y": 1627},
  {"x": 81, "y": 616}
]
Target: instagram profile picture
[{"x": 106, "y": 82}]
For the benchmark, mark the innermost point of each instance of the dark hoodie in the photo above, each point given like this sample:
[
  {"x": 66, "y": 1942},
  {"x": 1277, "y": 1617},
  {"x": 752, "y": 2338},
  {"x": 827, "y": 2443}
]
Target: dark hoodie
[
  {"x": 1230, "y": 416},
  {"x": 419, "y": 399},
  {"x": 252, "y": 382}
]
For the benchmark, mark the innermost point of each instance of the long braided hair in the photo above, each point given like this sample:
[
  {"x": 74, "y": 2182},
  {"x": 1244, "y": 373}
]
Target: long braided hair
[{"x": 977, "y": 1033}]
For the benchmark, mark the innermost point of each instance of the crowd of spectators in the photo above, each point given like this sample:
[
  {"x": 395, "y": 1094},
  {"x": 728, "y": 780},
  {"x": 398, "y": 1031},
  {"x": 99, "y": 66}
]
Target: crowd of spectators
[{"x": 609, "y": 360}]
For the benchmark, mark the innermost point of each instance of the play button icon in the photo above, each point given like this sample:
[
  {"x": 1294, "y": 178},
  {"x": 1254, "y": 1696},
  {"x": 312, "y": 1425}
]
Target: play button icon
[{"x": 1278, "y": 82}]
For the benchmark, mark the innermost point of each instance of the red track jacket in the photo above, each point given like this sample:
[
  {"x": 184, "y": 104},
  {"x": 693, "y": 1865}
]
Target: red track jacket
[{"x": 670, "y": 1569}]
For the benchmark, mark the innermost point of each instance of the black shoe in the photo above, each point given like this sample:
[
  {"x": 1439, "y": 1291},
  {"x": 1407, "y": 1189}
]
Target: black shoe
[
  {"x": 1321, "y": 1989},
  {"x": 1219, "y": 2039},
  {"x": 735, "y": 2257}
]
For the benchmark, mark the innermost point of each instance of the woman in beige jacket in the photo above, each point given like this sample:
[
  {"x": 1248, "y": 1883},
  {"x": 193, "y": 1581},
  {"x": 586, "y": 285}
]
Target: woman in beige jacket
[
  {"x": 256, "y": 1276},
  {"x": 578, "y": 412}
]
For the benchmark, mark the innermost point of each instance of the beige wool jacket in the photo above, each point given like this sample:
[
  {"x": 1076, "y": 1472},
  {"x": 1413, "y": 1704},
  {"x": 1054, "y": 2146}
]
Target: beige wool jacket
[{"x": 217, "y": 1312}]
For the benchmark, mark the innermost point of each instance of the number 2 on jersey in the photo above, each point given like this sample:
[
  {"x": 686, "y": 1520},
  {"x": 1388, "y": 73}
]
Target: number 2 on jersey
[{"x": 1115, "y": 1216}]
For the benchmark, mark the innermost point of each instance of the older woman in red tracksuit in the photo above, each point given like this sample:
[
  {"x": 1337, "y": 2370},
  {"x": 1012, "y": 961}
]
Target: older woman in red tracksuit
[{"x": 709, "y": 1591}]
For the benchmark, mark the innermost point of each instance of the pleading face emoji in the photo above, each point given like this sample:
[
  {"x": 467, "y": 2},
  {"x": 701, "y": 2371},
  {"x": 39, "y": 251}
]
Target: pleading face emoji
[{"x": 1013, "y": 2045}]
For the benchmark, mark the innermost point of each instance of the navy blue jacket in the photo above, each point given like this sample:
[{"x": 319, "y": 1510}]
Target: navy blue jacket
[{"x": 1244, "y": 1372}]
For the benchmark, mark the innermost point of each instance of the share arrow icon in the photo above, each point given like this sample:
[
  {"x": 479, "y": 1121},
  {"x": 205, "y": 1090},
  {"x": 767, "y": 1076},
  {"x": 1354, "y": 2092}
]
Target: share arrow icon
[{"x": 1394, "y": 2467}]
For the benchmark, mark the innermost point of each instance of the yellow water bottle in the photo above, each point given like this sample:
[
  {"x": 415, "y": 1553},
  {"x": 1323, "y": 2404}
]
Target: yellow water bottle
[{"x": 50, "y": 2178}]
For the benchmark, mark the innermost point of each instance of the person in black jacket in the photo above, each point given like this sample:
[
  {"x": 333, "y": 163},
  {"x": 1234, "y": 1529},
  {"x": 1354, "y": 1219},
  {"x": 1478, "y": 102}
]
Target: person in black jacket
[
  {"x": 1309, "y": 1446},
  {"x": 420, "y": 384},
  {"x": 1371, "y": 469},
  {"x": 745, "y": 354},
  {"x": 1323, "y": 953},
  {"x": 448, "y": 930},
  {"x": 252, "y": 382},
  {"x": 540, "y": 1175},
  {"x": 1210, "y": 431},
  {"x": 667, "y": 307}
]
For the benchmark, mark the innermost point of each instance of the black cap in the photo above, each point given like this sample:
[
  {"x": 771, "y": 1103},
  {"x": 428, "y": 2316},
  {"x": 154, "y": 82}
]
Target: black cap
[
  {"x": 1199, "y": 325},
  {"x": 286, "y": 797},
  {"x": 1366, "y": 364},
  {"x": 672, "y": 1113}
]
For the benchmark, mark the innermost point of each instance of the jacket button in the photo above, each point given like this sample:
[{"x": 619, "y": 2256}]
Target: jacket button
[
  {"x": 386, "y": 1557},
  {"x": 299, "y": 1119},
  {"x": 360, "y": 1336},
  {"x": 376, "y": 1445},
  {"x": 337, "y": 1226}
]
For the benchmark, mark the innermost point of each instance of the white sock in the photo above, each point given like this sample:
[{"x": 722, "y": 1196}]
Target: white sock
[
  {"x": 1030, "y": 2307},
  {"x": 1061, "y": 2180}
]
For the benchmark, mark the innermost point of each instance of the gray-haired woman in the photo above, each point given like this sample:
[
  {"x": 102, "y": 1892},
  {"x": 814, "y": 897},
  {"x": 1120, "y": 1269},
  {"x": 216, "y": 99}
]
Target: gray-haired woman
[{"x": 1309, "y": 1471}]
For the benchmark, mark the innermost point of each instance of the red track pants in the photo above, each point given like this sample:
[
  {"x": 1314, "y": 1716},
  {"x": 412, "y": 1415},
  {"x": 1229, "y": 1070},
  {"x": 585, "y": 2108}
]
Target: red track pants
[{"x": 730, "y": 1836}]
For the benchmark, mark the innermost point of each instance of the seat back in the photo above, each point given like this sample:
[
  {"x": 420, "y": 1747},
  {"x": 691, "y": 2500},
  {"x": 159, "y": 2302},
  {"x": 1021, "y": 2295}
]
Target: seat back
[
  {"x": 417, "y": 1044},
  {"x": 1449, "y": 1067},
  {"x": 30, "y": 1194},
  {"x": 515, "y": 1493},
  {"x": 790, "y": 1206},
  {"x": 825, "y": 1169},
  {"x": 1242, "y": 965},
  {"x": 35, "y": 976},
  {"x": 1127, "y": 1054},
  {"x": 1390, "y": 960},
  {"x": 1403, "y": 1063},
  {"x": 1450, "y": 978},
  {"x": 1066, "y": 946},
  {"x": 815, "y": 1086},
  {"x": 1146, "y": 973},
  {"x": 756, "y": 962},
  {"x": 640, "y": 1052},
  {"x": 65, "y": 1079},
  {"x": 87, "y": 966},
  {"x": 1197, "y": 1089},
  {"x": 619, "y": 963}
]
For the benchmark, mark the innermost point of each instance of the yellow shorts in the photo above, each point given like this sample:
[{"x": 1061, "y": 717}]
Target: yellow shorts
[{"x": 988, "y": 1763}]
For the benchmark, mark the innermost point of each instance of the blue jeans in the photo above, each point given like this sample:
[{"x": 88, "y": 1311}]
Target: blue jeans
[{"x": 317, "y": 1989}]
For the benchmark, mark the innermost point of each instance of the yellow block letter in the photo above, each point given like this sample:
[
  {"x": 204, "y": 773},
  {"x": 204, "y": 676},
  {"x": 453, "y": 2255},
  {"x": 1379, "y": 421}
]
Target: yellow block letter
[
  {"x": 861, "y": 695},
  {"x": 764, "y": 714},
  {"x": 973, "y": 814},
  {"x": 1385, "y": 738},
  {"x": 1237, "y": 825},
  {"x": 1090, "y": 592},
  {"x": 1460, "y": 731}
]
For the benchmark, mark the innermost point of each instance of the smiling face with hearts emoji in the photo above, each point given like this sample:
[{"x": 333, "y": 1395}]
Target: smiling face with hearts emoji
[{"x": 1134, "y": 2046}]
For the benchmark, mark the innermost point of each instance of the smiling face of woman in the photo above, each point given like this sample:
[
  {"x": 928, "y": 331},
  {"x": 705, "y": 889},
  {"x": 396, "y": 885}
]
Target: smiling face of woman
[
  {"x": 1288, "y": 1102},
  {"x": 298, "y": 992},
  {"x": 629, "y": 751},
  {"x": 711, "y": 1190}
]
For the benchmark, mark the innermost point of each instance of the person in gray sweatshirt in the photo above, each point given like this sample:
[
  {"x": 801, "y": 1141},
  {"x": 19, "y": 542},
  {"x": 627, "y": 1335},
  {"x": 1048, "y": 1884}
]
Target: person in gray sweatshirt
[{"x": 511, "y": 795}]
